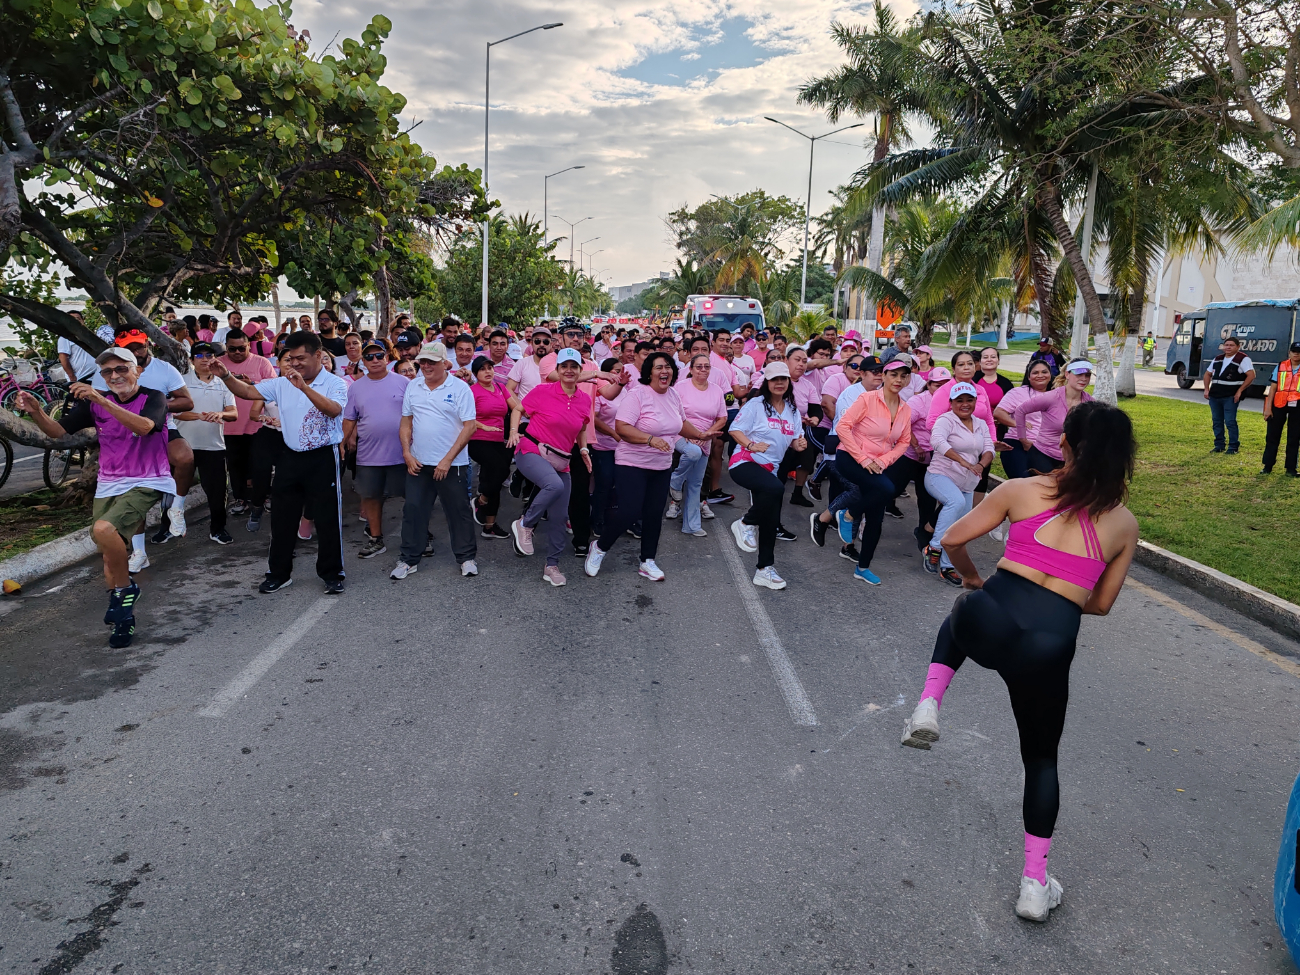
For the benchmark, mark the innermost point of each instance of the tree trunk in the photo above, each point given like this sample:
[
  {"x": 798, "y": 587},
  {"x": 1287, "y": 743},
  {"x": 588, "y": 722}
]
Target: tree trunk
[
  {"x": 275, "y": 303},
  {"x": 1002, "y": 326},
  {"x": 1126, "y": 383},
  {"x": 11, "y": 217},
  {"x": 345, "y": 303},
  {"x": 1104, "y": 386},
  {"x": 383, "y": 302},
  {"x": 952, "y": 333},
  {"x": 925, "y": 331},
  {"x": 315, "y": 306},
  {"x": 81, "y": 491},
  {"x": 20, "y": 431}
]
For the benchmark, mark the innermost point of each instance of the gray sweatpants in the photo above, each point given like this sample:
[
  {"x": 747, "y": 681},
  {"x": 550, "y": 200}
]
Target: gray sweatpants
[
  {"x": 421, "y": 489},
  {"x": 552, "y": 499}
]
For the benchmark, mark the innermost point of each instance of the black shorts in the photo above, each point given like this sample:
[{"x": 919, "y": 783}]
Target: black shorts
[
  {"x": 173, "y": 434},
  {"x": 376, "y": 483}
]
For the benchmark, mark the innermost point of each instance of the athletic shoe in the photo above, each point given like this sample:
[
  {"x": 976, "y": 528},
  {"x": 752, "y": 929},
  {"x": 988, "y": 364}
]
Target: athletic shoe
[
  {"x": 1266, "y": 470},
  {"x": 516, "y": 485},
  {"x": 592, "y": 564},
  {"x": 238, "y": 508},
  {"x": 812, "y": 490},
  {"x": 270, "y": 585},
  {"x": 674, "y": 510},
  {"x": 123, "y": 633},
  {"x": 634, "y": 532},
  {"x": 930, "y": 558},
  {"x": 720, "y": 497},
  {"x": 428, "y": 545},
  {"x": 891, "y": 509},
  {"x": 699, "y": 533},
  {"x": 923, "y": 538},
  {"x": 401, "y": 570},
  {"x": 478, "y": 509},
  {"x": 798, "y": 499},
  {"x": 568, "y": 526},
  {"x": 1217, "y": 450},
  {"x": 335, "y": 587},
  {"x": 164, "y": 533},
  {"x": 951, "y": 575},
  {"x": 177, "y": 529},
  {"x": 1231, "y": 450},
  {"x": 768, "y": 579},
  {"x": 744, "y": 535},
  {"x": 581, "y": 550},
  {"x": 866, "y": 575},
  {"x": 374, "y": 546},
  {"x": 849, "y": 552},
  {"x": 307, "y": 523},
  {"x": 817, "y": 529},
  {"x": 1037, "y": 900},
  {"x": 121, "y": 604},
  {"x": 554, "y": 576},
  {"x": 922, "y": 728},
  {"x": 138, "y": 562},
  {"x": 650, "y": 571},
  {"x": 494, "y": 530},
  {"x": 784, "y": 534},
  {"x": 222, "y": 537},
  {"x": 469, "y": 568},
  {"x": 254, "y": 519},
  {"x": 706, "y": 513},
  {"x": 844, "y": 522},
  {"x": 674, "y": 494},
  {"x": 523, "y": 538}
]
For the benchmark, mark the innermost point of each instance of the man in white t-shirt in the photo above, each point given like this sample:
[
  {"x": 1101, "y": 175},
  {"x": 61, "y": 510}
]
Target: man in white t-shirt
[
  {"x": 78, "y": 364},
  {"x": 438, "y": 418},
  {"x": 234, "y": 321}
]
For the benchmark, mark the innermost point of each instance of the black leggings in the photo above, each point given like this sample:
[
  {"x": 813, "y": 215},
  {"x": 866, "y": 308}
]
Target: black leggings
[
  {"x": 493, "y": 458},
  {"x": 641, "y": 497},
  {"x": 1027, "y": 634},
  {"x": 911, "y": 470},
  {"x": 765, "y": 513},
  {"x": 211, "y": 465}
]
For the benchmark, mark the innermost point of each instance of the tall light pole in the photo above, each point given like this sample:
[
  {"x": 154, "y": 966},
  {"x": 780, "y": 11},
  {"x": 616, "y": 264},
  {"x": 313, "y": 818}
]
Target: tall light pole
[
  {"x": 571, "y": 224},
  {"x": 580, "y": 247},
  {"x": 812, "y": 144},
  {"x": 592, "y": 255},
  {"x": 545, "y": 208},
  {"x": 487, "y": 89}
]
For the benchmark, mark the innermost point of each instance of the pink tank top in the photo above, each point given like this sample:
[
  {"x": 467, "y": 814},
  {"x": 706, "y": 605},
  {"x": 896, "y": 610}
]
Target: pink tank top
[{"x": 1083, "y": 571}]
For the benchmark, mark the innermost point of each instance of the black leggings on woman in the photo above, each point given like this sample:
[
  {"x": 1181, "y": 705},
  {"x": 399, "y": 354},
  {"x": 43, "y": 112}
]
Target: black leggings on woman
[
  {"x": 765, "y": 513},
  {"x": 1027, "y": 634},
  {"x": 493, "y": 458},
  {"x": 641, "y": 497}
]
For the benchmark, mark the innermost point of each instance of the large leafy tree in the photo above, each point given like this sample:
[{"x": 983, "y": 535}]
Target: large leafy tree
[
  {"x": 739, "y": 238},
  {"x": 522, "y": 274}
]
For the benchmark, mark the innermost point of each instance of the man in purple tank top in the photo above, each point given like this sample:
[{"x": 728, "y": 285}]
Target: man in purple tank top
[{"x": 133, "y": 469}]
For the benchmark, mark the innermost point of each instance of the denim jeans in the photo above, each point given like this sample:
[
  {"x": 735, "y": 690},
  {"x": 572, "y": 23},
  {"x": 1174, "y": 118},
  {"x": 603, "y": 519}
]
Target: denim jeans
[
  {"x": 1223, "y": 411},
  {"x": 953, "y": 501},
  {"x": 689, "y": 479}
]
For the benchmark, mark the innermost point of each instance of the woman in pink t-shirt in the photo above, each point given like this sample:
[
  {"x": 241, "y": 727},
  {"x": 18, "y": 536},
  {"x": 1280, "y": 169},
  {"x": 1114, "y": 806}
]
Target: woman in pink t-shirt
[
  {"x": 649, "y": 420},
  {"x": 556, "y": 437},
  {"x": 487, "y": 445}
]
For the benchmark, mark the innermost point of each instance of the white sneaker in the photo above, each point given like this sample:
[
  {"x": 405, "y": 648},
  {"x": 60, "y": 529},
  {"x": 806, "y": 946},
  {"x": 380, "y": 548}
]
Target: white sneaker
[
  {"x": 468, "y": 568},
  {"x": 177, "y": 528},
  {"x": 1037, "y": 900},
  {"x": 744, "y": 535},
  {"x": 706, "y": 513},
  {"x": 651, "y": 571},
  {"x": 674, "y": 494},
  {"x": 594, "y": 557},
  {"x": 522, "y": 536},
  {"x": 768, "y": 578},
  {"x": 922, "y": 727},
  {"x": 699, "y": 533},
  {"x": 674, "y": 510},
  {"x": 402, "y": 570},
  {"x": 138, "y": 561}
]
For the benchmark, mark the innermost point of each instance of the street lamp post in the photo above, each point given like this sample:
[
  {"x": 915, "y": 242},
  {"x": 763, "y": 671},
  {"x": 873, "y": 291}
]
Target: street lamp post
[
  {"x": 545, "y": 207},
  {"x": 572, "y": 225},
  {"x": 812, "y": 144},
  {"x": 580, "y": 254},
  {"x": 592, "y": 255},
  {"x": 487, "y": 88}
]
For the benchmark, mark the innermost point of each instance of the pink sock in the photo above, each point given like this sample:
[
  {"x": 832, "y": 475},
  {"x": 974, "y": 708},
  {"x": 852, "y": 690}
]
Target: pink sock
[
  {"x": 1036, "y": 848},
  {"x": 936, "y": 682}
]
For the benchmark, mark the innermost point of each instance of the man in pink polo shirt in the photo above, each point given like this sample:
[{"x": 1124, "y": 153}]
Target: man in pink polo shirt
[{"x": 723, "y": 375}]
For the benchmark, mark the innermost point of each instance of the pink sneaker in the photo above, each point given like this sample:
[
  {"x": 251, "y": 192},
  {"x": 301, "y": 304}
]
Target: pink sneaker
[
  {"x": 523, "y": 538},
  {"x": 554, "y": 576}
]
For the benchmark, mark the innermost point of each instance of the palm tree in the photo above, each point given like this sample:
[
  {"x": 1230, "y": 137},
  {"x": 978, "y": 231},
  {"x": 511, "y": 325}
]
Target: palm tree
[
  {"x": 779, "y": 293},
  {"x": 688, "y": 278}
]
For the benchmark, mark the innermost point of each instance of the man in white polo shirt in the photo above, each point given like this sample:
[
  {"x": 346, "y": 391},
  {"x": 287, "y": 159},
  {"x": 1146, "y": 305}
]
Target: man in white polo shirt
[
  {"x": 310, "y": 401},
  {"x": 438, "y": 418}
]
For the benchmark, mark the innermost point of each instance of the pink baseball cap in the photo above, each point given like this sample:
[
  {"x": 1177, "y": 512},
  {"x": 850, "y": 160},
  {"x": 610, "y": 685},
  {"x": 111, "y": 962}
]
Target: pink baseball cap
[{"x": 939, "y": 374}]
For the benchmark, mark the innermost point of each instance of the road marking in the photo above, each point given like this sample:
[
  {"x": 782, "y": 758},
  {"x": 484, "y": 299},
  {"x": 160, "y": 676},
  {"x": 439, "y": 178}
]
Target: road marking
[
  {"x": 226, "y": 697},
  {"x": 1246, "y": 643},
  {"x": 796, "y": 698},
  {"x": 23, "y": 460}
]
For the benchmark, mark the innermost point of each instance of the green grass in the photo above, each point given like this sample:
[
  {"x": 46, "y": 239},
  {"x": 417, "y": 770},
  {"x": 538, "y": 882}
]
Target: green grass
[
  {"x": 1214, "y": 508},
  {"x": 23, "y": 526}
]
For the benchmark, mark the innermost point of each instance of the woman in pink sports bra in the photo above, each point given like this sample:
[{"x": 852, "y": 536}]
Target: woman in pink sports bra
[{"x": 1068, "y": 552}]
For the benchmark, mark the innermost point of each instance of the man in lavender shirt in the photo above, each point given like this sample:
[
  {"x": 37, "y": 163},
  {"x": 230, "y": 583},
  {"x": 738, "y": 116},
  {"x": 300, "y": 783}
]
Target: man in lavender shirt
[{"x": 370, "y": 423}]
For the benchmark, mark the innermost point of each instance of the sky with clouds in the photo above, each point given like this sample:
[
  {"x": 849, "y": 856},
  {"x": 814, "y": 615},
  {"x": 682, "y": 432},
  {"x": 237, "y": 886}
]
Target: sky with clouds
[{"x": 663, "y": 103}]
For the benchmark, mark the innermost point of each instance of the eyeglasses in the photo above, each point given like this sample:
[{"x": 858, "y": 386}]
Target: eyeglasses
[
  {"x": 201, "y": 355},
  {"x": 375, "y": 356},
  {"x": 116, "y": 371}
]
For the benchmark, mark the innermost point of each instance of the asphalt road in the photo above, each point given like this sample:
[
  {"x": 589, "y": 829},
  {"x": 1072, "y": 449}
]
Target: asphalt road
[
  {"x": 25, "y": 475},
  {"x": 486, "y": 775}
]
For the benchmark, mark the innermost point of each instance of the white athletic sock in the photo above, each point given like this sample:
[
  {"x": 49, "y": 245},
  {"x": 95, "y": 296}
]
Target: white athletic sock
[
  {"x": 137, "y": 542},
  {"x": 178, "y": 502}
]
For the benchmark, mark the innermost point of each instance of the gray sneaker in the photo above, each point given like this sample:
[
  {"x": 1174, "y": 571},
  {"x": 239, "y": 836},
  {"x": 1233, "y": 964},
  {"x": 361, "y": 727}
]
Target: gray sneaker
[
  {"x": 254, "y": 519},
  {"x": 374, "y": 546}
]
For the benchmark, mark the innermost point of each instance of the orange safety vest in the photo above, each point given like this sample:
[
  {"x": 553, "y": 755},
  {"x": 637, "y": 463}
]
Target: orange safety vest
[{"x": 1288, "y": 384}]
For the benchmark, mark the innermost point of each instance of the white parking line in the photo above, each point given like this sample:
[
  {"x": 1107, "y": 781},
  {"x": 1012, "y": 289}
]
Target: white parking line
[
  {"x": 796, "y": 698},
  {"x": 226, "y": 697}
]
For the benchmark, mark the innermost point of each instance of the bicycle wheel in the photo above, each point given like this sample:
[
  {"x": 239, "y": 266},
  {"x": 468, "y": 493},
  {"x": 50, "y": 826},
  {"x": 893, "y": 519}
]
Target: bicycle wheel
[
  {"x": 6, "y": 460},
  {"x": 57, "y": 467}
]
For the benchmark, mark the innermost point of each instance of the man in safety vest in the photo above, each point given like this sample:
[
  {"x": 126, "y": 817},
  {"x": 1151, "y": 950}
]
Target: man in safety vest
[
  {"x": 1227, "y": 377},
  {"x": 1148, "y": 349},
  {"x": 1282, "y": 409}
]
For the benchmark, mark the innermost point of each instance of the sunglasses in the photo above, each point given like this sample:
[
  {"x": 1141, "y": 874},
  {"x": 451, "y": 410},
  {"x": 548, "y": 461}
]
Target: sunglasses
[
  {"x": 853, "y": 365},
  {"x": 116, "y": 371},
  {"x": 375, "y": 356},
  {"x": 202, "y": 355}
]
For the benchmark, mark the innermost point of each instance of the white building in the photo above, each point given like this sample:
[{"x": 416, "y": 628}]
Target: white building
[{"x": 622, "y": 292}]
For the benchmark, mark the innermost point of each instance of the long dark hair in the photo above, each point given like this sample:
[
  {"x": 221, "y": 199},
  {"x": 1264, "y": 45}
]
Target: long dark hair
[
  {"x": 648, "y": 365},
  {"x": 1103, "y": 450},
  {"x": 789, "y": 400}
]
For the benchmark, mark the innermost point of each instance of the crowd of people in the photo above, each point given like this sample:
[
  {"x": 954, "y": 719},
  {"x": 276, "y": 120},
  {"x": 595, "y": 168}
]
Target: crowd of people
[{"x": 615, "y": 434}]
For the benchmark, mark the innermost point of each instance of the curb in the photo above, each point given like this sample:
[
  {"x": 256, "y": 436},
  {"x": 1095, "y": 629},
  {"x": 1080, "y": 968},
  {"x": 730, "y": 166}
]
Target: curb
[
  {"x": 1263, "y": 607},
  {"x": 62, "y": 553}
]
